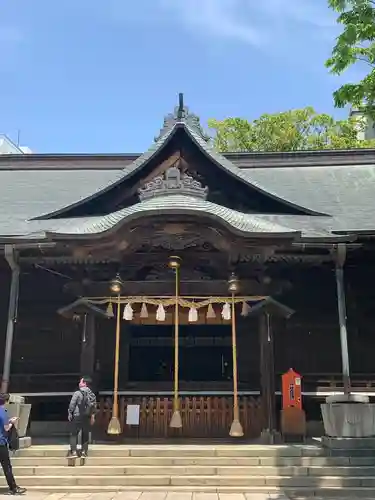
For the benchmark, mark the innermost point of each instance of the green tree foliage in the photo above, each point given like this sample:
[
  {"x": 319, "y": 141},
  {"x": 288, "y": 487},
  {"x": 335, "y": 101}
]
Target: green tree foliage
[
  {"x": 355, "y": 45},
  {"x": 294, "y": 130}
]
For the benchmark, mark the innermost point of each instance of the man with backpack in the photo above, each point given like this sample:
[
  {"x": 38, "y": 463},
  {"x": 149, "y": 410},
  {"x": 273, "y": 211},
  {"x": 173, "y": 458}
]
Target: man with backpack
[
  {"x": 81, "y": 414},
  {"x": 6, "y": 430}
]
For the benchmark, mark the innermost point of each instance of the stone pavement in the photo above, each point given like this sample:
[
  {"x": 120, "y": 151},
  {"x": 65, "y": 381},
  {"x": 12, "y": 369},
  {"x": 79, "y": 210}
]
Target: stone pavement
[
  {"x": 151, "y": 495},
  {"x": 160, "y": 495}
]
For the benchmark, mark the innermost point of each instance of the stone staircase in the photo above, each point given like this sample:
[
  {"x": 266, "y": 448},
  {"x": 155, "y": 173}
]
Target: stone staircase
[{"x": 304, "y": 470}]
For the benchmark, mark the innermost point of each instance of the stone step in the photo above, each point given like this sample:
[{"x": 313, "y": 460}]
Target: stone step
[
  {"x": 292, "y": 494},
  {"x": 44, "y": 461},
  {"x": 144, "y": 481},
  {"x": 198, "y": 470},
  {"x": 351, "y": 453},
  {"x": 253, "y": 493},
  {"x": 184, "y": 451}
]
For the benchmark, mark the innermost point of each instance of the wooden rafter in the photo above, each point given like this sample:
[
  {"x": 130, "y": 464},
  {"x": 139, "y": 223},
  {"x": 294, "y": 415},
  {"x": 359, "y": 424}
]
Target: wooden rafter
[{"x": 160, "y": 169}]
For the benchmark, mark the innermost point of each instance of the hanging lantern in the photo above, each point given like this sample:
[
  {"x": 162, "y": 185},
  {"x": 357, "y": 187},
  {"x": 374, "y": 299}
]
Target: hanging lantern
[
  {"x": 160, "y": 313},
  {"x": 193, "y": 315},
  {"x": 233, "y": 284},
  {"x": 116, "y": 284},
  {"x": 110, "y": 310},
  {"x": 128, "y": 312},
  {"x": 245, "y": 309},
  {"x": 225, "y": 313},
  {"x": 144, "y": 312},
  {"x": 210, "y": 312}
]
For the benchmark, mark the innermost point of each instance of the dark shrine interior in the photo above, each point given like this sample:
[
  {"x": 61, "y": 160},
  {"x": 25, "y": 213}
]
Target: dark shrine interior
[{"x": 204, "y": 355}]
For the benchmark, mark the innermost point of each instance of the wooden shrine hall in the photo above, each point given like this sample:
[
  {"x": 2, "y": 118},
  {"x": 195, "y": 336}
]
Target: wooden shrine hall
[{"x": 186, "y": 281}]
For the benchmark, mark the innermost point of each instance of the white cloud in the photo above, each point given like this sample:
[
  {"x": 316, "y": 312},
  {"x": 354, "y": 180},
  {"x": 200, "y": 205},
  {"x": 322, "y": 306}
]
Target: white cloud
[
  {"x": 254, "y": 22},
  {"x": 221, "y": 18},
  {"x": 309, "y": 12}
]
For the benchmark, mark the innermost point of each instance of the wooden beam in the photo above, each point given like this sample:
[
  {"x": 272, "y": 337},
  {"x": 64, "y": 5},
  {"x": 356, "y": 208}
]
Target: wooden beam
[
  {"x": 118, "y": 257},
  {"x": 209, "y": 288},
  {"x": 163, "y": 167}
]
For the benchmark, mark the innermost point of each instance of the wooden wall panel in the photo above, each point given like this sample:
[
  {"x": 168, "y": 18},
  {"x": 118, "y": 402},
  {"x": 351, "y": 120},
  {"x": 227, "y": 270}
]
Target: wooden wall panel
[
  {"x": 45, "y": 343},
  {"x": 5, "y": 276}
]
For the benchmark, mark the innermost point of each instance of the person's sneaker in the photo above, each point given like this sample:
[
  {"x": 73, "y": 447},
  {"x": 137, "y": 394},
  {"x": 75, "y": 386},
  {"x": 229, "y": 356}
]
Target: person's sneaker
[
  {"x": 72, "y": 454},
  {"x": 17, "y": 491}
]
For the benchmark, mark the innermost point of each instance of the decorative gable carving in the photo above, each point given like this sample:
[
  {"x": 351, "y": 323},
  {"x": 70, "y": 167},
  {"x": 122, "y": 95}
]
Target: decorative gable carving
[{"x": 173, "y": 182}]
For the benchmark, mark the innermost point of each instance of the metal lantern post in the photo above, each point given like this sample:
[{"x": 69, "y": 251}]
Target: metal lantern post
[
  {"x": 236, "y": 427},
  {"x": 176, "y": 422},
  {"x": 114, "y": 426}
]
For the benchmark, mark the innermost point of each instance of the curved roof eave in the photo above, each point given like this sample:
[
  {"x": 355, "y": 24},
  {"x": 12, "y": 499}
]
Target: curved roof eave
[
  {"x": 236, "y": 222},
  {"x": 38, "y": 238}
]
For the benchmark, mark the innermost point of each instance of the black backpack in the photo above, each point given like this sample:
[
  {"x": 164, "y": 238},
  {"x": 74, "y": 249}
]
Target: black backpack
[
  {"x": 13, "y": 439},
  {"x": 87, "y": 405}
]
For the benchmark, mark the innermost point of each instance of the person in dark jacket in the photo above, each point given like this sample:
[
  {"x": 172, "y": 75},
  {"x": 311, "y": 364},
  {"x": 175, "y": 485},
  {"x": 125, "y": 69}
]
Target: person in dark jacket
[
  {"x": 5, "y": 425},
  {"x": 81, "y": 414}
]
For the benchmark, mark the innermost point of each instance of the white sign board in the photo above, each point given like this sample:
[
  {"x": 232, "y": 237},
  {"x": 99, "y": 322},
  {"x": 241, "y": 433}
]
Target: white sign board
[{"x": 132, "y": 414}]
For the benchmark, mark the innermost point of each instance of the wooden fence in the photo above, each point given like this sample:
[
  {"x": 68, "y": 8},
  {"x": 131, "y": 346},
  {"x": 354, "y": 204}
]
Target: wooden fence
[{"x": 202, "y": 417}]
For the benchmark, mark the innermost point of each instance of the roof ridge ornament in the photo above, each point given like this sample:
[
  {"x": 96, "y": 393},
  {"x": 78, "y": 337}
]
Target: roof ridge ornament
[
  {"x": 181, "y": 114},
  {"x": 181, "y": 109},
  {"x": 173, "y": 182}
]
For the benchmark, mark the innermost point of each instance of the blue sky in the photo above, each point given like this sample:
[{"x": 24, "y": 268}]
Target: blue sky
[{"x": 99, "y": 75}]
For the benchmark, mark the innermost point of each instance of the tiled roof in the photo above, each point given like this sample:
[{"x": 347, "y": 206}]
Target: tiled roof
[
  {"x": 343, "y": 192},
  {"x": 190, "y": 124},
  {"x": 172, "y": 204},
  {"x": 25, "y": 194},
  {"x": 347, "y": 193}
]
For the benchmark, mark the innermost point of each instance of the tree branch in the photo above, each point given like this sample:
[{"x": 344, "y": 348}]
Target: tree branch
[{"x": 357, "y": 58}]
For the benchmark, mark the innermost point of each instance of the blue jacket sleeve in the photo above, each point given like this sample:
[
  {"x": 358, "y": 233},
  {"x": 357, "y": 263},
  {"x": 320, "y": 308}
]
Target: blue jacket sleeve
[{"x": 6, "y": 419}]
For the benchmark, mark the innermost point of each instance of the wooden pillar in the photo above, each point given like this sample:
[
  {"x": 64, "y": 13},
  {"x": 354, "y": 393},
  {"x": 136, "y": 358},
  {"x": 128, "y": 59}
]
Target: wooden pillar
[
  {"x": 12, "y": 315},
  {"x": 341, "y": 306},
  {"x": 87, "y": 367},
  {"x": 267, "y": 373}
]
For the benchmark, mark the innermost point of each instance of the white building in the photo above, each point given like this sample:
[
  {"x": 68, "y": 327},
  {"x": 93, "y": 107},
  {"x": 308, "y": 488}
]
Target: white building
[
  {"x": 366, "y": 125},
  {"x": 8, "y": 147}
]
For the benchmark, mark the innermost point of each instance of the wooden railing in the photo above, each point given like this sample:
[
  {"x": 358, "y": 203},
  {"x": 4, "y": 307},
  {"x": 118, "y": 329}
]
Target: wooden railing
[{"x": 202, "y": 417}]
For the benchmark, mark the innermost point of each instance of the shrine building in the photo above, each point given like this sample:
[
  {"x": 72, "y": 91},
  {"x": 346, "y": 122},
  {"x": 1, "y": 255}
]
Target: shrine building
[{"x": 185, "y": 280}]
